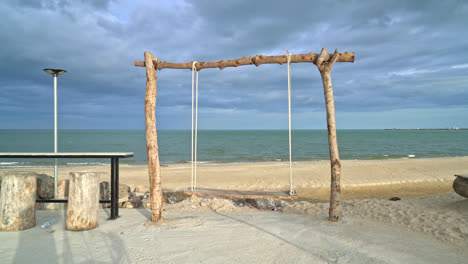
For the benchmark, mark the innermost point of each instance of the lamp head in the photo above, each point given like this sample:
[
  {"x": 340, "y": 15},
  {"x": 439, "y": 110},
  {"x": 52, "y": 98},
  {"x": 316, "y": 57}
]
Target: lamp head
[{"x": 55, "y": 71}]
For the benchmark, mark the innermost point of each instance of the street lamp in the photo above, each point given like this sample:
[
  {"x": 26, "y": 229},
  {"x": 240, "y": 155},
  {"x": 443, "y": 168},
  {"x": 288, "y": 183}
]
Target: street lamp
[{"x": 55, "y": 73}]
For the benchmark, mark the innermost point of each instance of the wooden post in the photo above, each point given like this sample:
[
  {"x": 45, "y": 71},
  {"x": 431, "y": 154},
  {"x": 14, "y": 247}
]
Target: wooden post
[
  {"x": 83, "y": 201},
  {"x": 154, "y": 169},
  {"x": 335, "y": 188},
  {"x": 18, "y": 201}
]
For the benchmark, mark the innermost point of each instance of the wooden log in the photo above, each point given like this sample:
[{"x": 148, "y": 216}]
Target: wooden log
[
  {"x": 253, "y": 60},
  {"x": 460, "y": 186},
  {"x": 335, "y": 187},
  {"x": 83, "y": 201},
  {"x": 154, "y": 169},
  {"x": 18, "y": 201}
]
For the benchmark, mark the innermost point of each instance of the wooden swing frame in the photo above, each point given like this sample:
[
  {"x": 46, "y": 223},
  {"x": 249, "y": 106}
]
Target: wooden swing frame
[{"x": 324, "y": 63}]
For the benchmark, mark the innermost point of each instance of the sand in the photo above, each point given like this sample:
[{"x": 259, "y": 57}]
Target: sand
[
  {"x": 428, "y": 225},
  {"x": 360, "y": 178},
  {"x": 412, "y": 230}
]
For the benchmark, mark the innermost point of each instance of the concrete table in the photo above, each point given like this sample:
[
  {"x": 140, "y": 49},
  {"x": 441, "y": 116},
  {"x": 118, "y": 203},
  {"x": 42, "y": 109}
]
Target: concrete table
[{"x": 114, "y": 157}]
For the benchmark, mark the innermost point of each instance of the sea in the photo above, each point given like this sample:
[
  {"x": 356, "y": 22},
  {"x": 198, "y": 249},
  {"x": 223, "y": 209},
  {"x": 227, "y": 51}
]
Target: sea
[{"x": 231, "y": 146}]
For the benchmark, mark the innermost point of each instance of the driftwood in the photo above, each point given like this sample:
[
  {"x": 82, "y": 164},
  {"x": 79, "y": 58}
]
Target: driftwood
[
  {"x": 335, "y": 188},
  {"x": 253, "y": 60},
  {"x": 18, "y": 201},
  {"x": 460, "y": 186},
  {"x": 83, "y": 201},
  {"x": 154, "y": 168}
]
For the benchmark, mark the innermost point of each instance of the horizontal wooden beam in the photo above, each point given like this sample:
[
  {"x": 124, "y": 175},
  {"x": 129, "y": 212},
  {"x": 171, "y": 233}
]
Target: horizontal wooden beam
[{"x": 253, "y": 60}]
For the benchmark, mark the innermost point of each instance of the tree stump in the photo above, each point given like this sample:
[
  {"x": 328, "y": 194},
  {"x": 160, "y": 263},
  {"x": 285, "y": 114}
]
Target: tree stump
[
  {"x": 18, "y": 201},
  {"x": 83, "y": 201}
]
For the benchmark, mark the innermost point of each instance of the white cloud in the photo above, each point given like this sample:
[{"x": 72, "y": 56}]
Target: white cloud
[
  {"x": 460, "y": 66},
  {"x": 410, "y": 72}
]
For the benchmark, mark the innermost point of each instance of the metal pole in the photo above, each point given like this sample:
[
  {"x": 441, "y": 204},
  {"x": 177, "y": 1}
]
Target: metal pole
[{"x": 55, "y": 134}]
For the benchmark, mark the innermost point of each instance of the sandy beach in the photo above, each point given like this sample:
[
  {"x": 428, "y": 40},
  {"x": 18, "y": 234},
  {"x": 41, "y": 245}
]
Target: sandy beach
[
  {"x": 311, "y": 180},
  {"x": 413, "y": 230},
  {"x": 428, "y": 225}
]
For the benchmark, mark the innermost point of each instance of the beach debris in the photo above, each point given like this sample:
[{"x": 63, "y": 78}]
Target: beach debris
[
  {"x": 174, "y": 197},
  {"x": 49, "y": 223},
  {"x": 123, "y": 200},
  {"x": 394, "y": 199},
  {"x": 194, "y": 200},
  {"x": 124, "y": 190},
  {"x": 145, "y": 202},
  {"x": 127, "y": 205},
  {"x": 262, "y": 204},
  {"x": 135, "y": 199},
  {"x": 45, "y": 186},
  {"x": 239, "y": 202}
]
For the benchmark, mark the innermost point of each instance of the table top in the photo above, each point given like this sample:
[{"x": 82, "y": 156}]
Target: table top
[{"x": 66, "y": 155}]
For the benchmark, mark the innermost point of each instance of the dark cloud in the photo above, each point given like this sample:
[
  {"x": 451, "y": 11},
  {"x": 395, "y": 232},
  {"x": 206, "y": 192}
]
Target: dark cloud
[
  {"x": 59, "y": 4},
  {"x": 407, "y": 54}
]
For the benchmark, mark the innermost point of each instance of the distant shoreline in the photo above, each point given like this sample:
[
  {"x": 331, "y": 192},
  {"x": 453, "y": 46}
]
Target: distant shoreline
[{"x": 425, "y": 129}]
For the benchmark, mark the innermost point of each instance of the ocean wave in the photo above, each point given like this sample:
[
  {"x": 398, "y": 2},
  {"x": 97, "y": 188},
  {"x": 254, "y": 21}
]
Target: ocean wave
[
  {"x": 86, "y": 163},
  {"x": 8, "y": 163},
  {"x": 26, "y": 166},
  {"x": 189, "y": 161}
]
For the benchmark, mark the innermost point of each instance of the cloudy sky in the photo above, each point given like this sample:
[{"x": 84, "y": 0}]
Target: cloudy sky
[{"x": 411, "y": 67}]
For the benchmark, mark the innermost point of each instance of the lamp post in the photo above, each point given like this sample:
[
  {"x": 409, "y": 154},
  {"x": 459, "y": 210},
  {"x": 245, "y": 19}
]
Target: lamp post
[{"x": 55, "y": 73}]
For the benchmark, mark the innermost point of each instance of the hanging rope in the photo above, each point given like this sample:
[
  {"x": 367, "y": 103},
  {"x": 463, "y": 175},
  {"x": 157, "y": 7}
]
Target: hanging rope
[
  {"x": 291, "y": 190},
  {"x": 194, "y": 150},
  {"x": 196, "y": 132}
]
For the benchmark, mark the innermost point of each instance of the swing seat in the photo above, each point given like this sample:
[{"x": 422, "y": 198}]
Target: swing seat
[{"x": 241, "y": 194}]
